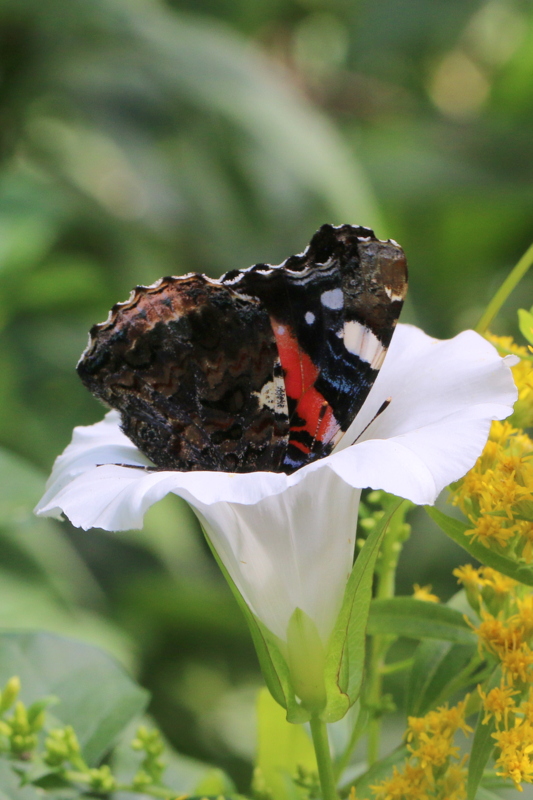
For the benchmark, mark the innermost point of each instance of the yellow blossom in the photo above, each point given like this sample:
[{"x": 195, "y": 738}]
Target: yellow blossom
[
  {"x": 501, "y": 584},
  {"x": 496, "y": 635},
  {"x": 516, "y": 663},
  {"x": 424, "y": 593},
  {"x": 523, "y": 619},
  {"x": 516, "y": 746},
  {"x": 468, "y": 575},
  {"x": 487, "y": 529},
  {"x": 498, "y": 703}
]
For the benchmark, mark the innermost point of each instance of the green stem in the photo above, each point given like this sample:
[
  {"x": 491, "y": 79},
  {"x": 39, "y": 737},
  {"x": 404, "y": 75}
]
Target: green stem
[
  {"x": 398, "y": 666},
  {"x": 386, "y": 578},
  {"x": 319, "y": 732},
  {"x": 84, "y": 778},
  {"x": 511, "y": 281},
  {"x": 358, "y": 730}
]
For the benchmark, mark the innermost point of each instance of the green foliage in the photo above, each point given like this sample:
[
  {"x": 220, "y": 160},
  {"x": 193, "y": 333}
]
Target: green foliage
[
  {"x": 417, "y": 619},
  {"x": 284, "y": 752},
  {"x": 346, "y": 652},
  {"x": 525, "y": 323},
  {"x": 455, "y": 529},
  {"x": 96, "y": 694},
  {"x": 52, "y": 758},
  {"x": 483, "y": 744}
]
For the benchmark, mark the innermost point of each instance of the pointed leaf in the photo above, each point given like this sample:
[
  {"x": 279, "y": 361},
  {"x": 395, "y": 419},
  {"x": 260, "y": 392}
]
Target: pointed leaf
[
  {"x": 439, "y": 669},
  {"x": 456, "y": 529},
  {"x": 346, "y": 652},
  {"x": 418, "y": 619},
  {"x": 483, "y": 743}
]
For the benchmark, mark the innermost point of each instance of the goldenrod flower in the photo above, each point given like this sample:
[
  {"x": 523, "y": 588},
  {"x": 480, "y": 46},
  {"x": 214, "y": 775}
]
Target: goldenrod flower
[
  {"x": 424, "y": 593},
  {"x": 498, "y": 703}
]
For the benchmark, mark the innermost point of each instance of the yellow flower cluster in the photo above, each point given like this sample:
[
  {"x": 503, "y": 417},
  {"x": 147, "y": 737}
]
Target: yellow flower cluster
[
  {"x": 505, "y": 633},
  {"x": 497, "y": 494},
  {"x": 523, "y": 377},
  {"x": 433, "y": 769}
]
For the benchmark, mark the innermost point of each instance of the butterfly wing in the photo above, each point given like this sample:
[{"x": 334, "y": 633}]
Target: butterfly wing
[
  {"x": 195, "y": 373},
  {"x": 333, "y": 310}
]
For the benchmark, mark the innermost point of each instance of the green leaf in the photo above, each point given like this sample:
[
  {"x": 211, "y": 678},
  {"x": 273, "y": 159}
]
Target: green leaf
[
  {"x": 282, "y": 748},
  {"x": 10, "y": 788},
  {"x": 96, "y": 695},
  {"x": 29, "y": 606},
  {"x": 346, "y": 652},
  {"x": 439, "y": 669},
  {"x": 483, "y": 743},
  {"x": 418, "y": 619},
  {"x": 486, "y": 794},
  {"x": 271, "y": 660},
  {"x": 525, "y": 323},
  {"x": 455, "y": 529}
]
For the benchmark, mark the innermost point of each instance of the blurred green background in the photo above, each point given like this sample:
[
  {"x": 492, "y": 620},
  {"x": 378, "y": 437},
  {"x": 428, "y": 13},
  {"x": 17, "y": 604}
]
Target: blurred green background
[{"x": 143, "y": 138}]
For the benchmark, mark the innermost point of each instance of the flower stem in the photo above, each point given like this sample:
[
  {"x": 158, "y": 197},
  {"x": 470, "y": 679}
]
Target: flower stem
[
  {"x": 511, "y": 281},
  {"x": 319, "y": 732},
  {"x": 396, "y": 534}
]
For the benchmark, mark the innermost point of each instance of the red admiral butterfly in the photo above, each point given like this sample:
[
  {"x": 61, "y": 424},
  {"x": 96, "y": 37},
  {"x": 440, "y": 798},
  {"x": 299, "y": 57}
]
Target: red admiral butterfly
[{"x": 263, "y": 369}]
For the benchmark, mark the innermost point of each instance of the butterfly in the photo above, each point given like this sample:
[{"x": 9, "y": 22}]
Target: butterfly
[{"x": 263, "y": 369}]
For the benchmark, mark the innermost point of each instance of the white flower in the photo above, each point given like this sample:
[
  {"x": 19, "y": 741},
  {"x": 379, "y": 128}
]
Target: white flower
[{"x": 287, "y": 541}]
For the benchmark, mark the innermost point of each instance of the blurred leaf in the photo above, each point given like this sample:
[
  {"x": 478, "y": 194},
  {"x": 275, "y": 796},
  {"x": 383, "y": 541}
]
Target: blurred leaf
[
  {"x": 282, "y": 748},
  {"x": 525, "y": 322},
  {"x": 23, "y": 605},
  {"x": 215, "y": 782},
  {"x": 456, "y": 529},
  {"x": 182, "y": 774},
  {"x": 66, "y": 281},
  {"x": 439, "y": 669},
  {"x": 43, "y": 546},
  {"x": 417, "y": 619},
  {"x": 10, "y": 788},
  {"x": 96, "y": 695},
  {"x": 218, "y": 70}
]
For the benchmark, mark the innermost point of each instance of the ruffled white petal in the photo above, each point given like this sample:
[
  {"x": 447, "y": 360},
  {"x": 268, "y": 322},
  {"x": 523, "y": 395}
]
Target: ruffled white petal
[
  {"x": 287, "y": 541},
  {"x": 428, "y": 380}
]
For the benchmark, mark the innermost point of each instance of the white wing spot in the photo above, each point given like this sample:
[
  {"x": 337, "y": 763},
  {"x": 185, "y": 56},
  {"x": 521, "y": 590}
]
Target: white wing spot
[
  {"x": 391, "y": 294},
  {"x": 310, "y": 317},
  {"x": 360, "y": 341},
  {"x": 333, "y": 299}
]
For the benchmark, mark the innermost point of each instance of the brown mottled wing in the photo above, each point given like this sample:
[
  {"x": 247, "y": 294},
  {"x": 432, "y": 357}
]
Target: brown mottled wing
[{"x": 193, "y": 368}]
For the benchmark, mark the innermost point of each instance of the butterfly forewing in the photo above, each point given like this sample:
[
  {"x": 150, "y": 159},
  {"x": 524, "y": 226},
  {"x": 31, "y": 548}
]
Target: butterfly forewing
[{"x": 333, "y": 310}]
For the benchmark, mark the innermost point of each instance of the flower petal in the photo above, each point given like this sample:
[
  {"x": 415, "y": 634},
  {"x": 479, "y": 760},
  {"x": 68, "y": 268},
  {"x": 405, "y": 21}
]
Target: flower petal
[
  {"x": 443, "y": 397},
  {"x": 429, "y": 379},
  {"x": 293, "y": 549}
]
